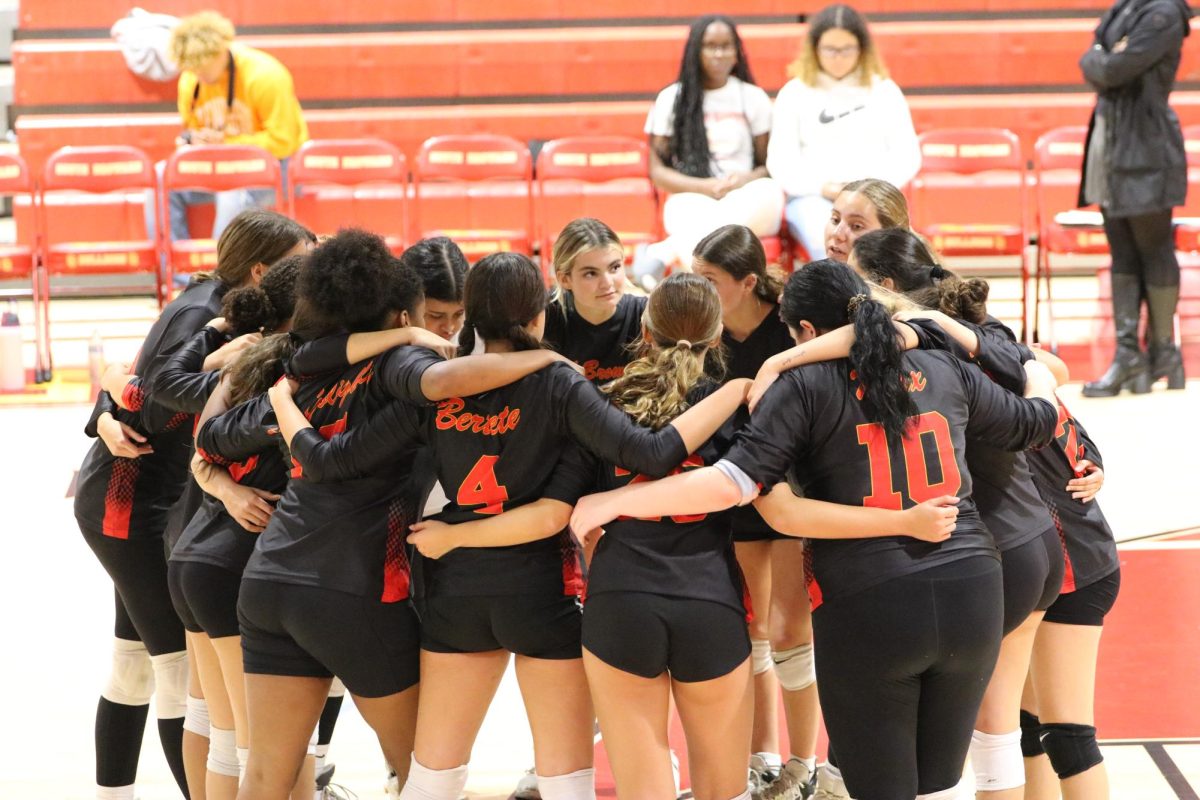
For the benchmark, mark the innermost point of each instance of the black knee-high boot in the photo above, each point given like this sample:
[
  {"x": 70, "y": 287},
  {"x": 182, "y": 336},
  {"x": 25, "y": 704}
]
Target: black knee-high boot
[
  {"x": 1166, "y": 361},
  {"x": 1130, "y": 368}
]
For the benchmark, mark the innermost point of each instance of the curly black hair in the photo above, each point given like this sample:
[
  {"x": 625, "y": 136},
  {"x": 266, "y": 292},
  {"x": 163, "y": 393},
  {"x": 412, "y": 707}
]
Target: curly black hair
[
  {"x": 407, "y": 290},
  {"x": 687, "y": 147},
  {"x": 267, "y": 306},
  {"x": 442, "y": 267},
  {"x": 346, "y": 282},
  {"x": 821, "y": 292}
]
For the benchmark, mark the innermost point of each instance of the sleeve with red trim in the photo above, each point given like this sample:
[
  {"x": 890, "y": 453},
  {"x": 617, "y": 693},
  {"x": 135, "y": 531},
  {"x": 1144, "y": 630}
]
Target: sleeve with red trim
[
  {"x": 182, "y": 384},
  {"x": 242, "y": 431},
  {"x": 1003, "y": 419},
  {"x": 361, "y": 450}
]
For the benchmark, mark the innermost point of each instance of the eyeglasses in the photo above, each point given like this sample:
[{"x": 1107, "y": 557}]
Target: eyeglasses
[
  {"x": 838, "y": 52},
  {"x": 718, "y": 48}
]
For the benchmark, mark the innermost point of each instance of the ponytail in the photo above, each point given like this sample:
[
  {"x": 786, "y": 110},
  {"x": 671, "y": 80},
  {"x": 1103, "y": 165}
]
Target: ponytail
[{"x": 503, "y": 294}]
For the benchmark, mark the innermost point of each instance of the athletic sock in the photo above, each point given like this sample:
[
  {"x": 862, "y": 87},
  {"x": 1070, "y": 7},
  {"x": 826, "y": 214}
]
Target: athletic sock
[
  {"x": 119, "y": 731},
  {"x": 810, "y": 762},
  {"x": 170, "y": 733},
  {"x": 114, "y": 793},
  {"x": 329, "y": 718}
]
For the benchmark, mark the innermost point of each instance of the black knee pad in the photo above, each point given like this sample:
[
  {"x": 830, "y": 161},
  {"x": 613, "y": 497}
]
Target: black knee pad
[
  {"x": 1031, "y": 731},
  {"x": 1072, "y": 748}
]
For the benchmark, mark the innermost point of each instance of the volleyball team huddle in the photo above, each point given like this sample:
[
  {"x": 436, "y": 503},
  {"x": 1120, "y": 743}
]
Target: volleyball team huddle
[{"x": 856, "y": 486}]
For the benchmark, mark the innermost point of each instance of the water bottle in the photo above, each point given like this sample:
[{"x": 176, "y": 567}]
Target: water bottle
[
  {"x": 12, "y": 363},
  {"x": 95, "y": 362}
]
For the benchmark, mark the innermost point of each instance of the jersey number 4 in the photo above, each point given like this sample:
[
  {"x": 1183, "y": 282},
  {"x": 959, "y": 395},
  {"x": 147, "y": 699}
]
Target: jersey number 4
[
  {"x": 931, "y": 424},
  {"x": 480, "y": 488}
]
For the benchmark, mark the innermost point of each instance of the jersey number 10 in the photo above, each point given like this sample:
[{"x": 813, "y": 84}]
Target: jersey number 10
[{"x": 920, "y": 488}]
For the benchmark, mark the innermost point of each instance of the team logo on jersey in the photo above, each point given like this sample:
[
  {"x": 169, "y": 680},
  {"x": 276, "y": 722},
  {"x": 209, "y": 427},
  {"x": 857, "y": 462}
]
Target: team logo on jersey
[
  {"x": 336, "y": 395},
  {"x": 450, "y": 418},
  {"x": 916, "y": 381}
]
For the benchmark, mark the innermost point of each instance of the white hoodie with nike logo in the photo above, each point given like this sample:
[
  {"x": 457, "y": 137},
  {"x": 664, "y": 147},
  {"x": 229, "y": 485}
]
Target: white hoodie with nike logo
[{"x": 840, "y": 131}]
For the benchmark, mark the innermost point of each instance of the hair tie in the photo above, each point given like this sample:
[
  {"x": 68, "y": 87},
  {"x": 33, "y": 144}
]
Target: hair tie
[
  {"x": 295, "y": 338},
  {"x": 684, "y": 343},
  {"x": 855, "y": 302},
  {"x": 936, "y": 272}
]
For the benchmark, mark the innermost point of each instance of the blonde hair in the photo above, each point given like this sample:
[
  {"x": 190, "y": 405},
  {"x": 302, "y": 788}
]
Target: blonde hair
[
  {"x": 890, "y": 205},
  {"x": 891, "y": 300},
  {"x": 683, "y": 319},
  {"x": 807, "y": 66},
  {"x": 196, "y": 39},
  {"x": 578, "y": 237}
]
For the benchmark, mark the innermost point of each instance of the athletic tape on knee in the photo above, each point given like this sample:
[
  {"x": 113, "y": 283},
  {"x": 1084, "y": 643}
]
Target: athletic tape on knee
[
  {"x": 760, "y": 655},
  {"x": 170, "y": 684},
  {"x": 1072, "y": 748},
  {"x": 795, "y": 668},
  {"x": 578, "y": 785},
  {"x": 131, "y": 681},
  {"x": 433, "y": 784},
  {"x": 195, "y": 719},
  {"x": 222, "y": 753},
  {"x": 1031, "y": 740},
  {"x": 996, "y": 759}
]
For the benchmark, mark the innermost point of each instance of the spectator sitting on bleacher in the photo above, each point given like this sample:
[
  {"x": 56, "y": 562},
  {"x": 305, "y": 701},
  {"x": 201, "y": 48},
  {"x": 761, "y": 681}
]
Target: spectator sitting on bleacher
[
  {"x": 839, "y": 119},
  {"x": 230, "y": 94},
  {"x": 708, "y": 147}
]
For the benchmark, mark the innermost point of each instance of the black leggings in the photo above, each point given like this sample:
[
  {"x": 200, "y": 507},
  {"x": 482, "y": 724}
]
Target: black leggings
[
  {"x": 1144, "y": 246},
  {"x": 901, "y": 669},
  {"x": 138, "y": 568}
]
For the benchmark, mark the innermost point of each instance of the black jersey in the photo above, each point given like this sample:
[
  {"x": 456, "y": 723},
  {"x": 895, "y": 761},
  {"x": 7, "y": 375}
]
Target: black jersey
[
  {"x": 812, "y": 422},
  {"x": 743, "y": 360},
  {"x": 681, "y": 556},
  {"x": 212, "y": 536},
  {"x": 602, "y": 350},
  {"x": 1004, "y": 490},
  {"x": 348, "y": 536},
  {"x": 132, "y": 497},
  {"x": 500, "y": 450},
  {"x": 1088, "y": 544}
]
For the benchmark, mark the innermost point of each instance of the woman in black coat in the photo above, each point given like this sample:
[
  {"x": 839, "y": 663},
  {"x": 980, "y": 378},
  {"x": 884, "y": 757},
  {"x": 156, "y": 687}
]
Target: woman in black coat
[{"x": 1136, "y": 170}]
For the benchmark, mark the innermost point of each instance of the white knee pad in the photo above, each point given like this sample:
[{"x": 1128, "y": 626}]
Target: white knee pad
[
  {"x": 222, "y": 753},
  {"x": 170, "y": 684},
  {"x": 578, "y": 785},
  {"x": 996, "y": 759},
  {"x": 795, "y": 668},
  {"x": 433, "y": 784},
  {"x": 760, "y": 656},
  {"x": 195, "y": 719},
  {"x": 337, "y": 688},
  {"x": 131, "y": 681}
]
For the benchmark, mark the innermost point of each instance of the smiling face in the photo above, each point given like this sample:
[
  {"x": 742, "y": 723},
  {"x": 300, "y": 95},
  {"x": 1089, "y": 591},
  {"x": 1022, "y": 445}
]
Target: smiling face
[
  {"x": 597, "y": 281},
  {"x": 732, "y": 292},
  {"x": 853, "y": 215},
  {"x": 837, "y": 52},
  {"x": 718, "y": 55}
]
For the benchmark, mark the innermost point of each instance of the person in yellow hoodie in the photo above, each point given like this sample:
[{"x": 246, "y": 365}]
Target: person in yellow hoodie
[{"x": 230, "y": 94}]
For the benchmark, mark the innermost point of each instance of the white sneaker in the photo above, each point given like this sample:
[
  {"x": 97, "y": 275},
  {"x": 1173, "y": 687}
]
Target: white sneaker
[
  {"x": 391, "y": 789},
  {"x": 795, "y": 782},
  {"x": 527, "y": 787},
  {"x": 675, "y": 771},
  {"x": 830, "y": 787},
  {"x": 762, "y": 775}
]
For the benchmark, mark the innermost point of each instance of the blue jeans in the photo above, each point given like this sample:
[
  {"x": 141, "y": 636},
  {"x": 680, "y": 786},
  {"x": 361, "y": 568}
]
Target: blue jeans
[
  {"x": 229, "y": 205},
  {"x": 806, "y": 216}
]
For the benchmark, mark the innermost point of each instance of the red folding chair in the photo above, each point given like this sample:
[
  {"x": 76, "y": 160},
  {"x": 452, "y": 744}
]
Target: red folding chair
[
  {"x": 361, "y": 182},
  {"x": 20, "y": 262},
  {"x": 1062, "y": 228},
  {"x": 477, "y": 190},
  {"x": 213, "y": 168},
  {"x": 88, "y": 190},
  {"x": 1187, "y": 223},
  {"x": 606, "y": 177},
  {"x": 970, "y": 198}
]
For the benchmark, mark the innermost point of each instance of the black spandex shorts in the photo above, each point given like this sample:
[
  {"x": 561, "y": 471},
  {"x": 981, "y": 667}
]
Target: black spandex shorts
[
  {"x": 308, "y": 632},
  {"x": 749, "y": 526},
  {"x": 138, "y": 570},
  {"x": 205, "y": 597},
  {"x": 647, "y": 634},
  {"x": 1033, "y": 575},
  {"x": 534, "y": 625},
  {"x": 1087, "y": 605}
]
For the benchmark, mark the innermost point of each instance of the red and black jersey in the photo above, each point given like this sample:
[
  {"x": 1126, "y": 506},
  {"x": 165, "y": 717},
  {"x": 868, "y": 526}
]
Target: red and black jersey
[
  {"x": 602, "y": 350},
  {"x": 812, "y": 422},
  {"x": 743, "y": 360},
  {"x": 132, "y": 498},
  {"x": 1004, "y": 490},
  {"x": 348, "y": 535},
  {"x": 500, "y": 450},
  {"x": 212, "y": 536},
  {"x": 681, "y": 556},
  {"x": 1088, "y": 544}
]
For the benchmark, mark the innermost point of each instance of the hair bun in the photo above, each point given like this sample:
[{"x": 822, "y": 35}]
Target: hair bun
[{"x": 936, "y": 272}]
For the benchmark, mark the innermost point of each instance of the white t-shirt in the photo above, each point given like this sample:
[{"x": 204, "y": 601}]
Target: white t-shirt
[
  {"x": 733, "y": 116},
  {"x": 840, "y": 131}
]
